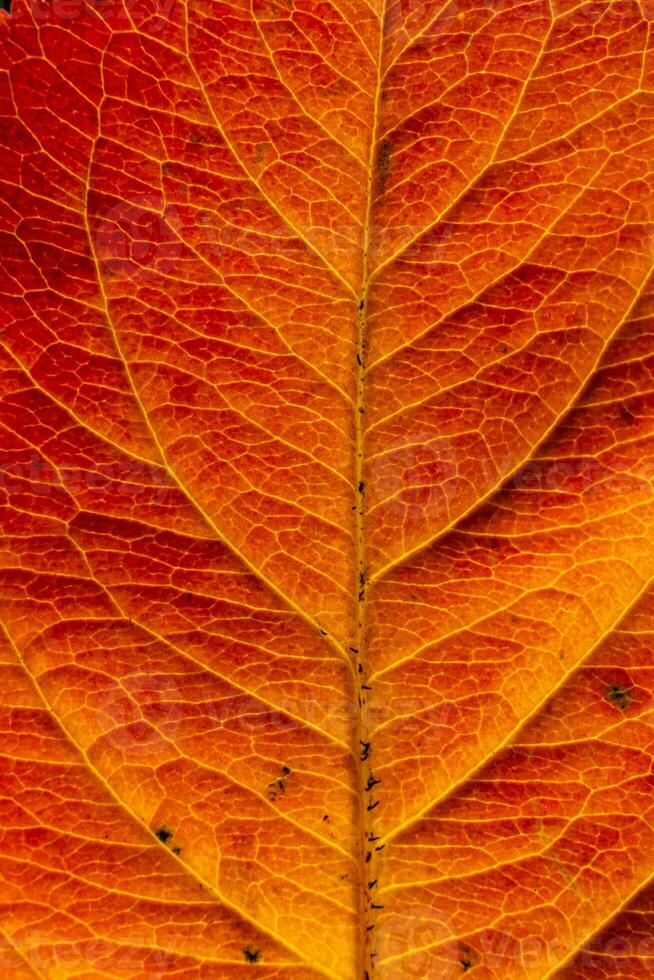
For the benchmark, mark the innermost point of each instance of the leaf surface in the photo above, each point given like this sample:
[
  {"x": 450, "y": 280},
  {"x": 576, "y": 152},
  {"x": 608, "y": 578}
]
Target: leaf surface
[{"x": 328, "y": 465}]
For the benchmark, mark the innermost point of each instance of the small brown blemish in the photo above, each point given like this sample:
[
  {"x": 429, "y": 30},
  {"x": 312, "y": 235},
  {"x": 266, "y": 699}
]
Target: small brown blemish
[
  {"x": 619, "y": 695},
  {"x": 251, "y": 954},
  {"x": 163, "y": 834},
  {"x": 626, "y": 416},
  {"x": 260, "y": 151},
  {"x": 383, "y": 163},
  {"x": 279, "y": 785},
  {"x": 467, "y": 958}
]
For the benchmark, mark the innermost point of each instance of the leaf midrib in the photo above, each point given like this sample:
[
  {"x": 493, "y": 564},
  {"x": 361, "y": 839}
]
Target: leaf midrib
[{"x": 364, "y": 961}]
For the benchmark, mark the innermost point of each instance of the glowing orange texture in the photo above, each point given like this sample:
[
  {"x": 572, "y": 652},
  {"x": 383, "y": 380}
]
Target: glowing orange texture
[{"x": 327, "y": 404}]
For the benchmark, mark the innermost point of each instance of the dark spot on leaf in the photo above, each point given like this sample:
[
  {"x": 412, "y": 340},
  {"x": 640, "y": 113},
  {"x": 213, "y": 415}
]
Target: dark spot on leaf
[
  {"x": 383, "y": 163},
  {"x": 163, "y": 834},
  {"x": 467, "y": 958},
  {"x": 626, "y": 416},
  {"x": 618, "y": 695},
  {"x": 259, "y": 152},
  {"x": 177, "y": 850},
  {"x": 278, "y": 785},
  {"x": 108, "y": 269},
  {"x": 251, "y": 954},
  {"x": 326, "y": 817}
]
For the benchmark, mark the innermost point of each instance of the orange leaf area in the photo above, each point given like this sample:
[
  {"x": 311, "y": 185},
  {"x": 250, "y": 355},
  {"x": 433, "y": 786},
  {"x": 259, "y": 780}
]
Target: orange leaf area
[{"x": 327, "y": 489}]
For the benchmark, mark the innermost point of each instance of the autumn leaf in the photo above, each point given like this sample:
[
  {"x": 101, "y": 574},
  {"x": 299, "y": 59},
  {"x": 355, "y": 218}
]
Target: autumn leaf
[{"x": 327, "y": 452}]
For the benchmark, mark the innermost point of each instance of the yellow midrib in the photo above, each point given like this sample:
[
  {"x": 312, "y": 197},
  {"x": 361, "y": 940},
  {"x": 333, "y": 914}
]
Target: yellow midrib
[{"x": 364, "y": 962}]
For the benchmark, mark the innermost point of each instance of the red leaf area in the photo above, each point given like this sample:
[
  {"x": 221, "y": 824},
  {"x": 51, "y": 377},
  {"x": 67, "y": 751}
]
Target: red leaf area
[{"x": 327, "y": 471}]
